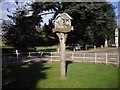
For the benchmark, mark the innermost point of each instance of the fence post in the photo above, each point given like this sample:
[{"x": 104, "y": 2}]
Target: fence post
[
  {"x": 106, "y": 58},
  {"x": 17, "y": 60},
  {"x": 118, "y": 61},
  {"x": 101, "y": 46},
  {"x": 72, "y": 56},
  {"x": 95, "y": 58},
  {"x": 29, "y": 55},
  {"x": 51, "y": 57},
  {"x": 17, "y": 56},
  {"x": 58, "y": 50},
  {"x": 84, "y": 57},
  {"x": 94, "y": 47}
]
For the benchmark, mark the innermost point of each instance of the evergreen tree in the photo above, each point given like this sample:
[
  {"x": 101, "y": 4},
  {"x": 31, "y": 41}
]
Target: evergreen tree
[
  {"x": 92, "y": 22},
  {"x": 21, "y": 34}
]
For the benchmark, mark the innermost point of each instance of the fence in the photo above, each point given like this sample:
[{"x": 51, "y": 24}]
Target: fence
[
  {"x": 106, "y": 58},
  {"x": 28, "y": 57}
]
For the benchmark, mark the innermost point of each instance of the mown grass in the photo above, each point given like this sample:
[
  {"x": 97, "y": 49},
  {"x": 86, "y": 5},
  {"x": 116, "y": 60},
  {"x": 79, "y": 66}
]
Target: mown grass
[
  {"x": 46, "y": 75},
  {"x": 47, "y": 48},
  {"x": 51, "y": 48}
]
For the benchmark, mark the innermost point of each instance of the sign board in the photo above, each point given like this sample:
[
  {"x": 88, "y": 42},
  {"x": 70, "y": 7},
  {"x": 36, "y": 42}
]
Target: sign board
[
  {"x": 62, "y": 26},
  {"x": 62, "y": 23}
]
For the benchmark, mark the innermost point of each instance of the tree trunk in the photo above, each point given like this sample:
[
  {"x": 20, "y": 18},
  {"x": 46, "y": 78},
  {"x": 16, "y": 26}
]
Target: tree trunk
[
  {"x": 62, "y": 51},
  {"x": 62, "y": 39}
]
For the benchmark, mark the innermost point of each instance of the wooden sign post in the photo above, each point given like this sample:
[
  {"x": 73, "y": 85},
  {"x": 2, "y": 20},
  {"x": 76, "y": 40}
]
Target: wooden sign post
[
  {"x": 62, "y": 38},
  {"x": 62, "y": 27}
]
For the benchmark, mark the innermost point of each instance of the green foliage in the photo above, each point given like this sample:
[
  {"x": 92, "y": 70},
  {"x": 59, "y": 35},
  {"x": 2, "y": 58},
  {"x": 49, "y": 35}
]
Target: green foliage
[
  {"x": 21, "y": 33},
  {"x": 92, "y": 21},
  {"x": 46, "y": 75},
  {"x": 46, "y": 36}
]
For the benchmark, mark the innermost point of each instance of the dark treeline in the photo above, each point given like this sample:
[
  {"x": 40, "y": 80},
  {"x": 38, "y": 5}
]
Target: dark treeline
[{"x": 93, "y": 22}]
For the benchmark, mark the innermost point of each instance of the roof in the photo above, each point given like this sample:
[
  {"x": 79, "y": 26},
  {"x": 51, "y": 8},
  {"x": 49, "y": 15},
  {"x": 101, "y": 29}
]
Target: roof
[{"x": 63, "y": 16}]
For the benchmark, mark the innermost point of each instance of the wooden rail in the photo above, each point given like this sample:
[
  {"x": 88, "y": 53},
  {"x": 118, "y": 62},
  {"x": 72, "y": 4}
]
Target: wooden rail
[{"x": 106, "y": 58}]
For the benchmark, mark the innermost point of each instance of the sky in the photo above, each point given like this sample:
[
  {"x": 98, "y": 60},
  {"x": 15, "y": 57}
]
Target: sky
[
  {"x": 11, "y": 5},
  {"x": 117, "y": 8}
]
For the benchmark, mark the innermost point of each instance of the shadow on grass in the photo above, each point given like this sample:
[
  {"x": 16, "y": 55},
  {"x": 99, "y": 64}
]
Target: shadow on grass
[
  {"x": 25, "y": 76},
  {"x": 47, "y": 50},
  {"x": 67, "y": 64},
  {"x": 6, "y": 50}
]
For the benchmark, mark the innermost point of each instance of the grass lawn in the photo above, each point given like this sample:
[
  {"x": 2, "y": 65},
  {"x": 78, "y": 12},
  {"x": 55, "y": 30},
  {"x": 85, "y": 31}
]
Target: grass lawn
[
  {"x": 52, "y": 48},
  {"x": 47, "y": 48},
  {"x": 46, "y": 75}
]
